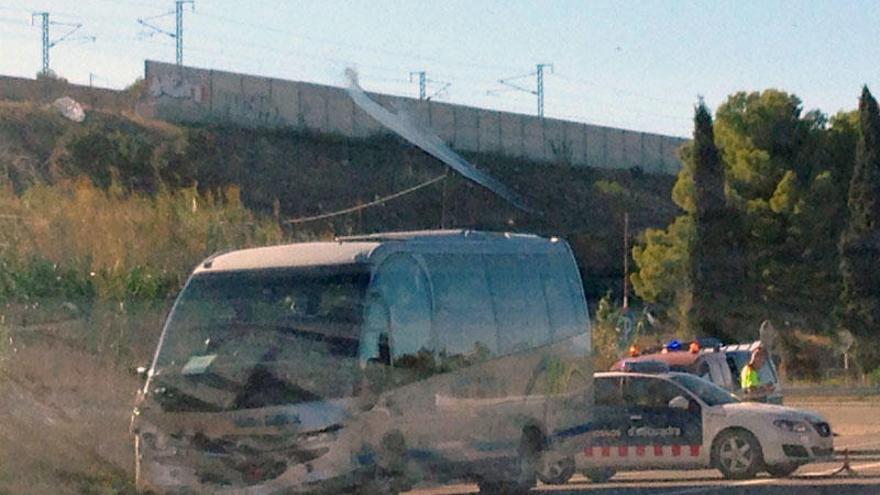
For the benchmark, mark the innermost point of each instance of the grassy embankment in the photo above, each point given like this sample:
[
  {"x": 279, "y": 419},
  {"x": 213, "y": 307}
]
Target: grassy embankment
[{"x": 101, "y": 222}]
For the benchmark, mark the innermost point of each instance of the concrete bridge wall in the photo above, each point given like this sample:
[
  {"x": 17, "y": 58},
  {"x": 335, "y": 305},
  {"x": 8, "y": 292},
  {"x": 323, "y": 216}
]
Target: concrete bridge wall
[{"x": 187, "y": 94}]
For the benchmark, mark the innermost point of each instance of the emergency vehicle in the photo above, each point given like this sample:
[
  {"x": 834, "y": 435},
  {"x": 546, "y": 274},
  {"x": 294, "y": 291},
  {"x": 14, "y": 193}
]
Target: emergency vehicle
[
  {"x": 680, "y": 421},
  {"x": 720, "y": 364}
]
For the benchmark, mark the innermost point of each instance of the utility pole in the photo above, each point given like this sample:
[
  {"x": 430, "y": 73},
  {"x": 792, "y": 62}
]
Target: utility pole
[
  {"x": 538, "y": 91},
  {"x": 422, "y": 83},
  {"x": 540, "y": 73},
  {"x": 47, "y": 44},
  {"x": 626, "y": 260},
  {"x": 178, "y": 30},
  {"x": 45, "y": 23}
]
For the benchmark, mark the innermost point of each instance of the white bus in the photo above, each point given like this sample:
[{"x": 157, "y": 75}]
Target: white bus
[{"x": 370, "y": 364}]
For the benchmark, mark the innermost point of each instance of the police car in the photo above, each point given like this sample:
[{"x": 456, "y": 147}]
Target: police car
[
  {"x": 671, "y": 420},
  {"x": 720, "y": 364}
]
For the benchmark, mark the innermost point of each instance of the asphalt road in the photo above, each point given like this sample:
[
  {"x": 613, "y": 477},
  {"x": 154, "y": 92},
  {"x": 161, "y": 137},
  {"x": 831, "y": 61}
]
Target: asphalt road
[
  {"x": 857, "y": 422},
  {"x": 809, "y": 480}
]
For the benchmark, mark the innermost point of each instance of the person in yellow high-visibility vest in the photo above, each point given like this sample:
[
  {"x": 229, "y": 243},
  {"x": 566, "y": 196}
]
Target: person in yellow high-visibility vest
[{"x": 750, "y": 379}]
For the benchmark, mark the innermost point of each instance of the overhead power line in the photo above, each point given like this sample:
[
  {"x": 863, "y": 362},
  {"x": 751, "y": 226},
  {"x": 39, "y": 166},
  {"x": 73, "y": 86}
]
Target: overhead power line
[
  {"x": 356, "y": 46},
  {"x": 423, "y": 85},
  {"x": 178, "y": 26},
  {"x": 67, "y": 36},
  {"x": 376, "y": 202},
  {"x": 422, "y": 82},
  {"x": 622, "y": 91},
  {"x": 539, "y": 85}
]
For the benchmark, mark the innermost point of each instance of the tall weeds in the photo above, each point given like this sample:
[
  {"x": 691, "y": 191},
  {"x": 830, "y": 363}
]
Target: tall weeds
[
  {"x": 75, "y": 239},
  {"x": 108, "y": 258}
]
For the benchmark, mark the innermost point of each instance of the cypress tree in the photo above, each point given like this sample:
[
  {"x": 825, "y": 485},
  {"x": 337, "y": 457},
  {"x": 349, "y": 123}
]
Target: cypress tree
[
  {"x": 714, "y": 268},
  {"x": 860, "y": 241}
]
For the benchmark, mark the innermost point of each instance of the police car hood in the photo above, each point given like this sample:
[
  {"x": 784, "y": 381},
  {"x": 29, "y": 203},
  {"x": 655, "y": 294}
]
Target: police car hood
[{"x": 771, "y": 411}]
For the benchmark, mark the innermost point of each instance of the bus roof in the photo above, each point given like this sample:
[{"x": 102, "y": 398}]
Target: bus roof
[
  {"x": 290, "y": 256},
  {"x": 442, "y": 235},
  {"x": 359, "y": 249}
]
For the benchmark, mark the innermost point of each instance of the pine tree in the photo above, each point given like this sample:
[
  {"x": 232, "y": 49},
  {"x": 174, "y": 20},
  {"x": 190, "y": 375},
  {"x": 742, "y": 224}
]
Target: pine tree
[
  {"x": 714, "y": 269},
  {"x": 860, "y": 242}
]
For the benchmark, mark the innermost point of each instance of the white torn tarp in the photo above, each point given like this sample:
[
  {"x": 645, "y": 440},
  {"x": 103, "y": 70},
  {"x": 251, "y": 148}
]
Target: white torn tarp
[
  {"x": 70, "y": 108},
  {"x": 429, "y": 142}
]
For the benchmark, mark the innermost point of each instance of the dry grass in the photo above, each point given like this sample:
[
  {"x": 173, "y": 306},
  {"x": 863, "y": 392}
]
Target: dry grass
[{"x": 103, "y": 235}]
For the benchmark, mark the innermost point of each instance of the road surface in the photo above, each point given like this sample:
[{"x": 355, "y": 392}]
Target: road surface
[{"x": 857, "y": 422}]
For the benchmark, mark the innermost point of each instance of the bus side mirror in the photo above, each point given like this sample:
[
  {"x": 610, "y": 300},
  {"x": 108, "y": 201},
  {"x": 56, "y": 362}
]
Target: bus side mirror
[{"x": 679, "y": 402}]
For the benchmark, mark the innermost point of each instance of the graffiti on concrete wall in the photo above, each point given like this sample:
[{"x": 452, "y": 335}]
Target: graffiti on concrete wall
[
  {"x": 176, "y": 86},
  {"x": 255, "y": 108},
  {"x": 187, "y": 94}
]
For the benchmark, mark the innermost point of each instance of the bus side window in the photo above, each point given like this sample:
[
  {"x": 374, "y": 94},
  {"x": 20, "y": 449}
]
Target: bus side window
[
  {"x": 464, "y": 319},
  {"x": 404, "y": 289},
  {"x": 568, "y": 314},
  {"x": 374, "y": 344},
  {"x": 519, "y": 301}
]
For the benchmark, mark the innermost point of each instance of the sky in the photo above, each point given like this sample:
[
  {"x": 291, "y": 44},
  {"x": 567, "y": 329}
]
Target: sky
[{"x": 638, "y": 65}]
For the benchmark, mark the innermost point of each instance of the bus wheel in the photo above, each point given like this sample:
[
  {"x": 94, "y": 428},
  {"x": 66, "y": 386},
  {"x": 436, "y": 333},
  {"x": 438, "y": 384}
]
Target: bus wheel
[
  {"x": 530, "y": 446},
  {"x": 389, "y": 474},
  {"x": 557, "y": 473},
  {"x": 393, "y": 453}
]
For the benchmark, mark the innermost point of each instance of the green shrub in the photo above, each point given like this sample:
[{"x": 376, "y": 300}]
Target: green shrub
[
  {"x": 76, "y": 240},
  {"x": 606, "y": 349},
  {"x": 874, "y": 377}
]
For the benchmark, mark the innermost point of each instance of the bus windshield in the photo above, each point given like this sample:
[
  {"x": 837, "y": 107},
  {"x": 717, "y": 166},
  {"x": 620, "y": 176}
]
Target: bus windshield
[{"x": 250, "y": 339}]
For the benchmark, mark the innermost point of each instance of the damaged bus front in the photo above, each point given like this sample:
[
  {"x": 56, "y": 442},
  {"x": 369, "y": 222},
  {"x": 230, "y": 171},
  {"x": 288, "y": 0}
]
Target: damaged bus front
[{"x": 369, "y": 365}]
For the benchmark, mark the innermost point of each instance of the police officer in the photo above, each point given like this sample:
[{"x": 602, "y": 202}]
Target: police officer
[{"x": 750, "y": 379}]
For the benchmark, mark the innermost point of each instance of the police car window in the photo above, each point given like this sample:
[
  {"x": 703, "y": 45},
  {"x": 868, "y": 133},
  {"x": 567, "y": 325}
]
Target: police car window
[
  {"x": 607, "y": 392},
  {"x": 708, "y": 392},
  {"x": 766, "y": 373},
  {"x": 734, "y": 367},
  {"x": 703, "y": 371},
  {"x": 649, "y": 392}
]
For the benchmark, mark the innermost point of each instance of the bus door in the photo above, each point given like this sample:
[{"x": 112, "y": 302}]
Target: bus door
[
  {"x": 396, "y": 350},
  {"x": 665, "y": 423}
]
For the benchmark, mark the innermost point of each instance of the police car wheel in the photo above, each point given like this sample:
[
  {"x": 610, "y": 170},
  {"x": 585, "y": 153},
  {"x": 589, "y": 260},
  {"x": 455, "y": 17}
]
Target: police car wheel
[
  {"x": 557, "y": 473},
  {"x": 782, "y": 470},
  {"x": 599, "y": 475},
  {"x": 737, "y": 454}
]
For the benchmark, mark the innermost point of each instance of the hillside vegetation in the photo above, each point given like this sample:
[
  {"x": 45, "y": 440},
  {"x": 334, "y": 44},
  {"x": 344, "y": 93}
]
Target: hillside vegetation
[
  {"x": 118, "y": 195},
  {"x": 101, "y": 222}
]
